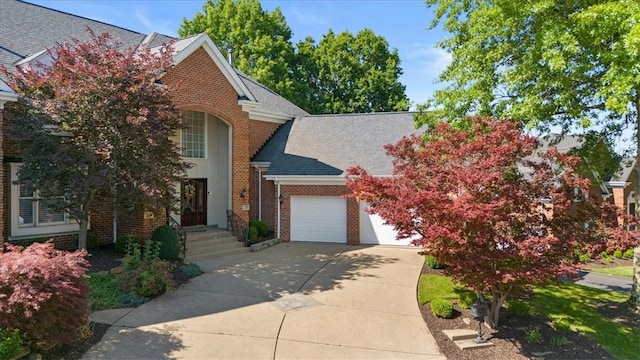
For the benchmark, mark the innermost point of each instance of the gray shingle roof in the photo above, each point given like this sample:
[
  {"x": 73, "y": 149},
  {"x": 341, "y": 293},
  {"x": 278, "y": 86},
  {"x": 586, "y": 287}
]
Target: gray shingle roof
[
  {"x": 27, "y": 28},
  {"x": 270, "y": 100},
  {"x": 624, "y": 170},
  {"x": 330, "y": 144}
]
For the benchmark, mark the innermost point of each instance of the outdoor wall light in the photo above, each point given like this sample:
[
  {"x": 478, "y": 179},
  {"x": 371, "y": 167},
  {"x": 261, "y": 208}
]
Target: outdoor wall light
[
  {"x": 243, "y": 193},
  {"x": 281, "y": 199}
]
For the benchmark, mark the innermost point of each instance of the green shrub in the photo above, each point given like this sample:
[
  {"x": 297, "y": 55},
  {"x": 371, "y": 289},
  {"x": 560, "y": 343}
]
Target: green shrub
[
  {"x": 606, "y": 257},
  {"x": 617, "y": 254},
  {"x": 144, "y": 273},
  {"x": 93, "y": 241},
  {"x": 432, "y": 262},
  {"x": 441, "y": 308},
  {"x": 132, "y": 299},
  {"x": 191, "y": 269},
  {"x": 558, "y": 341},
  {"x": 261, "y": 227},
  {"x": 123, "y": 241},
  {"x": 46, "y": 295},
  {"x": 253, "y": 234},
  {"x": 10, "y": 343},
  {"x": 533, "y": 336},
  {"x": 561, "y": 325},
  {"x": 628, "y": 254},
  {"x": 519, "y": 308},
  {"x": 584, "y": 258},
  {"x": 466, "y": 298},
  {"x": 168, "y": 240}
]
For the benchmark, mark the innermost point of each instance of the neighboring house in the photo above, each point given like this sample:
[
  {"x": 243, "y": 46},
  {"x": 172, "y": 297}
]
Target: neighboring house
[
  {"x": 613, "y": 178},
  {"x": 622, "y": 186},
  {"x": 250, "y": 147}
]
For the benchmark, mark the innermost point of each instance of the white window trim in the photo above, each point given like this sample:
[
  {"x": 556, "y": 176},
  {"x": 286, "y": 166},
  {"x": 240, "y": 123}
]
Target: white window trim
[
  {"x": 16, "y": 231},
  {"x": 205, "y": 138}
]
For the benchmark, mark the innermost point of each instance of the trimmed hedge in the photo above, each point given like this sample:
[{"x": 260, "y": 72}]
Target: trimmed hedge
[
  {"x": 168, "y": 240},
  {"x": 442, "y": 308}
]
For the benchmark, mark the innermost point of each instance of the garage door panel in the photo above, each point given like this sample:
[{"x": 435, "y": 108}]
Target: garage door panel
[
  {"x": 374, "y": 231},
  {"x": 319, "y": 218}
]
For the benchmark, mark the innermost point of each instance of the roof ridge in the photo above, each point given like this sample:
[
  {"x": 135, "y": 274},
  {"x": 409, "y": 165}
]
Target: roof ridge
[{"x": 360, "y": 114}]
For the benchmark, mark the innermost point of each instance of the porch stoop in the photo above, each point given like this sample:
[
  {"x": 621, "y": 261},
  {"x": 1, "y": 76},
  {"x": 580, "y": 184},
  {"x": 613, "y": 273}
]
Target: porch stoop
[{"x": 211, "y": 243}]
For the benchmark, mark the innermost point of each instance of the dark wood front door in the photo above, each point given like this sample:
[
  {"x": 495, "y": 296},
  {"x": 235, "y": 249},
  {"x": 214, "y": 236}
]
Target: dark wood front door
[{"x": 194, "y": 202}]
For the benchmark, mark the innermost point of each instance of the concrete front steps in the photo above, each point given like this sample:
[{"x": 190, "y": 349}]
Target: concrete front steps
[
  {"x": 207, "y": 243},
  {"x": 463, "y": 338}
]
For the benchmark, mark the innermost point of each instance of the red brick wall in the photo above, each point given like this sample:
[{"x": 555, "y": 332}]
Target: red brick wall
[
  {"x": 199, "y": 85},
  {"x": 261, "y": 131},
  {"x": 268, "y": 199},
  {"x": 353, "y": 210}
]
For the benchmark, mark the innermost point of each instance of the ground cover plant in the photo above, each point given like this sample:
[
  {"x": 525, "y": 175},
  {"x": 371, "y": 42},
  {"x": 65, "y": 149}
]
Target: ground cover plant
[{"x": 558, "y": 321}]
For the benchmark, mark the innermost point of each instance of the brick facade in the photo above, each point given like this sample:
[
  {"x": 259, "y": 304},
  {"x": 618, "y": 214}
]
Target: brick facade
[
  {"x": 261, "y": 131},
  {"x": 200, "y": 85}
]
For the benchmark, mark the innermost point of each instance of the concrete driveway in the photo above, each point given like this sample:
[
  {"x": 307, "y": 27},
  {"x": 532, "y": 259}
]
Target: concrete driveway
[{"x": 291, "y": 301}]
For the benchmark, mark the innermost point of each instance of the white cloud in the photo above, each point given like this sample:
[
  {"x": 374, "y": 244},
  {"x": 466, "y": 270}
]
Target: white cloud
[
  {"x": 428, "y": 58},
  {"x": 160, "y": 25}
]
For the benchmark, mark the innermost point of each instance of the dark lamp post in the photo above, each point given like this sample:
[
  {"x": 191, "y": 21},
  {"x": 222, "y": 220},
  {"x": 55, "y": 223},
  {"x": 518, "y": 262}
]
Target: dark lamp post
[{"x": 479, "y": 309}]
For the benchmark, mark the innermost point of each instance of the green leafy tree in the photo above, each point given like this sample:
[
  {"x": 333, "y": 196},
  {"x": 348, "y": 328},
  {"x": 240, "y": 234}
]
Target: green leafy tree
[
  {"x": 259, "y": 40},
  {"x": 340, "y": 74},
  {"x": 93, "y": 122},
  {"x": 345, "y": 73},
  {"x": 572, "y": 64}
]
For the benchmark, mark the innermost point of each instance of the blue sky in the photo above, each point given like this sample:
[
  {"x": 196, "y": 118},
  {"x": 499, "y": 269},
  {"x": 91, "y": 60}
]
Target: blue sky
[{"x": 403, "y": 23}]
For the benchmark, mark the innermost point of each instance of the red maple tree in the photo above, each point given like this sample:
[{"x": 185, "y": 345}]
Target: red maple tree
[
  {"x": 502, "y": 215},
  {"x": 94, "y": 121}
]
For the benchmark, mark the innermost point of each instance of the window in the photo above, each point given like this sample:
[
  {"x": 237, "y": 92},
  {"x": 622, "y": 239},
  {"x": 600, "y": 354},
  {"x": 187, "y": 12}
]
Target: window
[
  {"x": 31, "y": 215},
  {"x": 34, "y": 212},
  {"x": 193, "y": 135}
]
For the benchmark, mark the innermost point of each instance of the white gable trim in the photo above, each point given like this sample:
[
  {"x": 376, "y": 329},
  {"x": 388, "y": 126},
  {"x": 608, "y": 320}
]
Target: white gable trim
[
  {"x": 205, "y": 42},
  {"x": 307, "y": 180},
  {"x": 262, "y": 115},
  {"x": 6, "y": 94}
]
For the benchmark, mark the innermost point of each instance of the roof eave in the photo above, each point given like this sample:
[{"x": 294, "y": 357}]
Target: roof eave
[
  {"x": 307, "y": 179},
  {"x": 6, "y": 97},
  {"x": 255, "y": 113},
  {"x": 618, "y": 184}
]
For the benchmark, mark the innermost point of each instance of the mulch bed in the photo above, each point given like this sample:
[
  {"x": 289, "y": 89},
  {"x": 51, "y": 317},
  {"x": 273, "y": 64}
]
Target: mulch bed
[
  {"x": 509, "y": 339},
  {"x": 103, "y": 259}
]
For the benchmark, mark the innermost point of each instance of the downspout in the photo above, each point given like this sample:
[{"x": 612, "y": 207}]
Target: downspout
[
  {"x": 279, "y": 205},
  {"x": 259, "y": 194}
]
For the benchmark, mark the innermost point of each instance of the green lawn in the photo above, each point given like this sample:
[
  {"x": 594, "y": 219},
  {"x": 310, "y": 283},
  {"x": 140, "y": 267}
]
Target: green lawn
[
  {"x": 575, "y": 307},
  {"x": 625, "y": 271},
  {"x": 568, "y": 306},
  {"x": 432, "y": 286}
]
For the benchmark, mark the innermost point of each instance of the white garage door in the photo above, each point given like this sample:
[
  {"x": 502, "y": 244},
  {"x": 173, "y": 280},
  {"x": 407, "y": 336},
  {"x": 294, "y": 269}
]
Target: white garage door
[
  {"x": 319, "y": 218},
  {"x": 373, "y": 230}
]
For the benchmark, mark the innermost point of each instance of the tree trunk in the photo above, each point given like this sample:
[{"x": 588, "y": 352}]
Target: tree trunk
[
  {"x": 493, "y": 318},
  {"x": 82, "y": 234},
  {"x": 635, "y": 289},
  {"x": 634, "y": 300}
]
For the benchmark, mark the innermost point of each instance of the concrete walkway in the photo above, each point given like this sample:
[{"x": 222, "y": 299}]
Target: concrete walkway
[{"x": 291, "y": 301}]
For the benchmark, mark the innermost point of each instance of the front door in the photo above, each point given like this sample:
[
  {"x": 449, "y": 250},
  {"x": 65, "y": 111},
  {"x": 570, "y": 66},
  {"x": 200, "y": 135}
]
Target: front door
[{"x": 194, "y": 202}]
